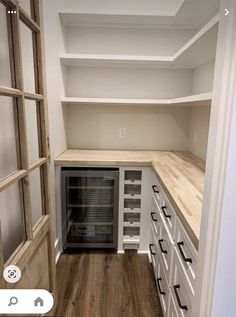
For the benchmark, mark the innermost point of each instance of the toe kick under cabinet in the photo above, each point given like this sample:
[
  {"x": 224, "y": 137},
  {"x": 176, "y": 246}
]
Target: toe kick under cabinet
[{"x": 173, "y": 256}]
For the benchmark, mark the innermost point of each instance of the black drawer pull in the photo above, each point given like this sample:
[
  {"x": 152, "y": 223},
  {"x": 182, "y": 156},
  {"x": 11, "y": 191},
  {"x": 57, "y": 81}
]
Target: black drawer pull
[
  {"x": 164, "y": 212},
  {"x": 154, "y": 187},
  {"x": 154, "y": 219},
  {"x": 159, "y": 286},
  {"x": 150, "y": 247},
  {"x": 180, "y": 245},
  {"x": 184, "y": 307},
  {"x": 160, "y": 244}
]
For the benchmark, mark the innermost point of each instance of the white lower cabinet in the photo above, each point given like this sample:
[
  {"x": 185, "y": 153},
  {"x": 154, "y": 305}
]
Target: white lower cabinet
[
  {"x": 156, "y": 190},
  {"x": 181, "y": 289},
  {"x": 187, "y": 253},
  {"x": 172, "y": 310},
  {"x": 168, "y": 214},
  {"x": 165, "y": 250},
  {"x": 153, "y": 250},
  {"x": 173, "y": 257},
  {"x": 155, "y": 218},
  {"x": 162, "y": 286}
]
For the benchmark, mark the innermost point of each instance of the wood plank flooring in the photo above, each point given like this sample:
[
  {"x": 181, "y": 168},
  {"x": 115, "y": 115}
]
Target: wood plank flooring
[{"x": 104, "y": 284}]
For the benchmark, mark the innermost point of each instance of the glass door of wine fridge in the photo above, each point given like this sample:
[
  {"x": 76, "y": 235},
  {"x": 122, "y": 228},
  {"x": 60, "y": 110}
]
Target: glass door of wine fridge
[{"x": 90, "y": 207}]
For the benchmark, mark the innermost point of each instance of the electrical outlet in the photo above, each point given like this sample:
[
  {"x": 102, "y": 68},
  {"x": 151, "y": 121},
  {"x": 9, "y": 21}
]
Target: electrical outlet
[{"x": 122, "y": 133}]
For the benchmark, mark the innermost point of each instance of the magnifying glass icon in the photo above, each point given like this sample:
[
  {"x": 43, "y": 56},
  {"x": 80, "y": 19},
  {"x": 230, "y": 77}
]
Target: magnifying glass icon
[{"x": 13, "y": 301}]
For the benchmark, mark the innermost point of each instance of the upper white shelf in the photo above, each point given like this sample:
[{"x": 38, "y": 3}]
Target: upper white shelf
[
  {"x": 72, "y": 18},
  {"x": 198, "y": 50},
  {"x": 194, "y": 100},
  {"x": 114, "y": 60},
  {"x": 201, "y": 48}
]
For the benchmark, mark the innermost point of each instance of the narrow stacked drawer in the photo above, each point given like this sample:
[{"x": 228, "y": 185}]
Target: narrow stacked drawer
[
  {"x": 184, "y": 270},
  {"x": 132, "y": 208},
  {"x": 175, "y": 258}
]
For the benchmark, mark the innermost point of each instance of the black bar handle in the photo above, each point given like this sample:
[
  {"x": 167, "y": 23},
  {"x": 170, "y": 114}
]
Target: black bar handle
[
  {"x": 180, "y": 247},
  {"x": 181, "y": 306},
  {"x": 160, "y": 244},
  {"x": 164, "y": 212},
  {"x": 159, "y": 286},
  {"x": 150, "y": 247},
  {"x": 154, "y": 219},
  {"x": 154, "y": 187}
]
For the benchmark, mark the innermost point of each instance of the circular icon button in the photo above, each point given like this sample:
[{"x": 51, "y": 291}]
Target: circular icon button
[{"x": 12, "y": 274}]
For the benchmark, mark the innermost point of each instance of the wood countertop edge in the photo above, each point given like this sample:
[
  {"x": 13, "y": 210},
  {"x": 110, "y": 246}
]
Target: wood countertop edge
[
  {"x": 59, "y": 162},
  {"x": 193, "y": 237}
]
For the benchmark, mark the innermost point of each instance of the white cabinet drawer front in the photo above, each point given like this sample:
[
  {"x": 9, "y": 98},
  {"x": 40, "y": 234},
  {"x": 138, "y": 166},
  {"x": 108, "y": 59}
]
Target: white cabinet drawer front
[
  {"x": 153, "y": 251},
  {"x": 168, "y": 215},
  {"x": 172, "y": 310},
  {"x": 156, "y": 190},
  {"x": 162, "y": 287},
  {"x": 187, "y": 253},
  {"x": 181, "y": 289},
  {"x": 165, "y": 250},
  {"x": 155, "y": 205},
  {"x": 155, "y": 218}
]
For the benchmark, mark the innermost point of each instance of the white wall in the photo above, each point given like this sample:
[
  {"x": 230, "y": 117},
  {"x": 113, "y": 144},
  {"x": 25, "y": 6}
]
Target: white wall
[
  {"x": 203, "y": 78},
  {"x": 119, "y": 82},
  {"x": 131, "y": 41},
  {"x": 198, "y": 130},
  {"x": 97, "y": 127},
  {"x": 142, "y": 7}
]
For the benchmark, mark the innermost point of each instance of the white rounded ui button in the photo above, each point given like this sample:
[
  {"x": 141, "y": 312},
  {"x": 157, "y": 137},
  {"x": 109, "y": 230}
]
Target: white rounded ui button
[
  {"x": 25, "y": 301},
  {"x": 12, "y": 274}
]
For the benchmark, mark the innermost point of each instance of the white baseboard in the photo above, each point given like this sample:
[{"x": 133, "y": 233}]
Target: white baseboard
[
  {"x": 143, "y": 252},
  {"x": 120, "y": 251},
  {"x": 57, "y": 250}
]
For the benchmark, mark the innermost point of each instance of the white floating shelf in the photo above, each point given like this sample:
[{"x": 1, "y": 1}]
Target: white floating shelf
[
  {"x": 193, "y": 100},
  {"x": 115, "y": 60},
  {"x": 84, "y": 19},
  {"x": 198, "y": 50}
]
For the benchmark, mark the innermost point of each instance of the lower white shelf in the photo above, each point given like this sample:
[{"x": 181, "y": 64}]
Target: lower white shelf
[
  {"x": 131, "y": 239},
  {"x": 203, "y": 99},
  {"x": 131, "y": 224}
]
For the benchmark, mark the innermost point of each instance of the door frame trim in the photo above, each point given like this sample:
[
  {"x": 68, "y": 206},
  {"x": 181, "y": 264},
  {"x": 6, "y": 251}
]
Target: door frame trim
[{"x": 221, "y": 128}]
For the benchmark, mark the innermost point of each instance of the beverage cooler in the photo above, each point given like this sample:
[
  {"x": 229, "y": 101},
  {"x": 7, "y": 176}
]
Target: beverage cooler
[{"x": 90, "y": 207}]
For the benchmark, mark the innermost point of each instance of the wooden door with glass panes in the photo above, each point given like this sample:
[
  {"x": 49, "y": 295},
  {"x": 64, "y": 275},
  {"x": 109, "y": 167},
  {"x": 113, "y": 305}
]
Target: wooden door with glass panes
[{"x": 26, "y": 237}]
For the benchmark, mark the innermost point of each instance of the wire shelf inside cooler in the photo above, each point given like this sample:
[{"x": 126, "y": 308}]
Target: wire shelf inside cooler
[
  {"x": 83, "y": 233},
  {"x": 90, "y": 197}
]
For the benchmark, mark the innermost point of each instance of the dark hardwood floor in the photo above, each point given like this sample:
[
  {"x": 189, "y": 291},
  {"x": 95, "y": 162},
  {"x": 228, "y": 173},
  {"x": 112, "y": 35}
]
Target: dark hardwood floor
[{"x": 104, "y": 284}]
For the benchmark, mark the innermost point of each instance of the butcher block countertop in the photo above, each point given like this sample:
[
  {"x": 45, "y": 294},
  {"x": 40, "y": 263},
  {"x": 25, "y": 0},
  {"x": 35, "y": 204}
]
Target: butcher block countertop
[{"x": 181, "y": 174}]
